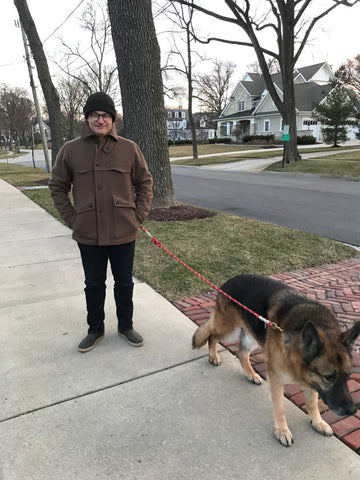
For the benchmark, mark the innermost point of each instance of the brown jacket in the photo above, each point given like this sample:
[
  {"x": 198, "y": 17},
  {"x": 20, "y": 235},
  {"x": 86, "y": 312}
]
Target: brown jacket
[{"x": 111, "y": 184}]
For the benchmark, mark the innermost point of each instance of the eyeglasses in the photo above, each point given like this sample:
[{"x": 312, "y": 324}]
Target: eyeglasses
[{"x": 96, "y": 116}]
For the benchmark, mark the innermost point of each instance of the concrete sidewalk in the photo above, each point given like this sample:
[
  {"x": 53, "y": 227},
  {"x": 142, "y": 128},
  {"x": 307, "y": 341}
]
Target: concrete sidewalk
[{"x": 158, "y": 412}]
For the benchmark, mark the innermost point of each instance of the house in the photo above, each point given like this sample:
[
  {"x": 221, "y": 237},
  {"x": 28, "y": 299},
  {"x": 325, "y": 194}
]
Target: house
[
  {"x": 177, "y": 121},
  {"x": 178, "y": 125},
  {"x": 205, "y": 126},
  {"x": 37, "y": 132},
  {"x": 251, "y": 110}
]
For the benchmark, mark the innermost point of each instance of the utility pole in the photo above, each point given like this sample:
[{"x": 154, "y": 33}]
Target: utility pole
[{"x": 36, "y": 101}]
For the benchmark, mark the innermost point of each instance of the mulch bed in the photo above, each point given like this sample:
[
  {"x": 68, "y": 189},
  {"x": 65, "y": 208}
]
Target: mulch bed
[{"x": 179, "y": 213}]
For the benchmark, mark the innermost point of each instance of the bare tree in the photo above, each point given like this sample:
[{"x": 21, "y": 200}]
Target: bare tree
[
  {"x": 291, "y": 24},
  {"x": 212, "y": 90},
  {"x": 172, "y": 88},
  {"x": 56, "y": 123},
  {"x": 72, "y": 94},
  {"x": 349, "y": 73},
  {"x": 17, "y": 113},
  {"x": 138, "y": 58},
  {"x": 94, "y": 73},
  {"x": 183, "y": 19},
  {"x": 272, "y": 63}
]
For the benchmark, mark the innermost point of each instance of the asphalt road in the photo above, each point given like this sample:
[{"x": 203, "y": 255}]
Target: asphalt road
[
  {"x": 323, "y": 206},
  {"x": 320, "y": 205}
]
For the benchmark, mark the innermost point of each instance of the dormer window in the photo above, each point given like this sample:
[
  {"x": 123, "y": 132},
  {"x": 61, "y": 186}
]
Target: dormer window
[{"x": 241, "y": 105}]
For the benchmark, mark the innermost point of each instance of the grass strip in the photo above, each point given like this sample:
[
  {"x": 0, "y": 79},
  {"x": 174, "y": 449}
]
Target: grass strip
[
  {"x": 223, "y": 246},
  {"x": 345, "y": 165}
]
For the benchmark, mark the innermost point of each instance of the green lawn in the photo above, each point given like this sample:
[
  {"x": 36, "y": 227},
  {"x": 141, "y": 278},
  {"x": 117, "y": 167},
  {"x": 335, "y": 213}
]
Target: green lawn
[
  {"x": 223, "y": 246},
  {"x": 243, "y": 154},
  {"x": 206, "y": 149},
  {"x": 344, "y": 164}
]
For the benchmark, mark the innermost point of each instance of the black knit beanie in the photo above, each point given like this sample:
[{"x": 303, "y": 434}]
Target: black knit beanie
[{"x": 102, "y": 102}]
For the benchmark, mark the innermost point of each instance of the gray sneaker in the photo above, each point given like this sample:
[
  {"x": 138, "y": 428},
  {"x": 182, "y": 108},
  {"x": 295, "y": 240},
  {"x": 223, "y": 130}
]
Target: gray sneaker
[
  {"x": 134, "y": 338},
  {"x": 89, "y": 342}
]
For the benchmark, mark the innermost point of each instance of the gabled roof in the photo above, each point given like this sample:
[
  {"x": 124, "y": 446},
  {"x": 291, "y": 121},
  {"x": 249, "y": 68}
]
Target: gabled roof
[
  {"x": 256, "y": 87},
  {"x": 309, "y": 71},
  {"x": 307, "y": 94}
]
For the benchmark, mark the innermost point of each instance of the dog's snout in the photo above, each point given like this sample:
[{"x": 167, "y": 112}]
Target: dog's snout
[
  {"x": 351, "y": 409},
  {"x": 347, "y": 409}
]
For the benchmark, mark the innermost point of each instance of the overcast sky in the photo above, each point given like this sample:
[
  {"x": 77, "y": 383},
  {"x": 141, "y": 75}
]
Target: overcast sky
[{"x": 335, "y": 40}]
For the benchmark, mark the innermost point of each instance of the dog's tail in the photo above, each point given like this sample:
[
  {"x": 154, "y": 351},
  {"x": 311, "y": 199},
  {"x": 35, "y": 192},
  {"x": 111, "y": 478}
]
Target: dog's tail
[{"x": 202, "y": 334}]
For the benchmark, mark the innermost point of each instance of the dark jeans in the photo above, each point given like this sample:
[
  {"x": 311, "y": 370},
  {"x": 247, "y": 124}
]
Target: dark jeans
[{"x": 95, "y": 261}]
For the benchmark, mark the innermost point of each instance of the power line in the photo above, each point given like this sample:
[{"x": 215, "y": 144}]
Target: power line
[
  {"x": 66, "y": 19},
  {"x": 12, "y": 64}
]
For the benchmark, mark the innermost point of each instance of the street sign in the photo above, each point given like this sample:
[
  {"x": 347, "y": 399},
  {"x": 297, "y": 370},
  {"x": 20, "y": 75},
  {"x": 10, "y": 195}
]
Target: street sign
[{"x": 286, "y": 137}]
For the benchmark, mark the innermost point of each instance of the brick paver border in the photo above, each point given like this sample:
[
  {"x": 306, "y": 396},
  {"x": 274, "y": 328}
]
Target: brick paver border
[{"x": 338, "y": 287}]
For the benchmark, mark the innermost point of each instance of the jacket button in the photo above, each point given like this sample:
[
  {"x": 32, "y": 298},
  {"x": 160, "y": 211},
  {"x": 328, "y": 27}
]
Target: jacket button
[
  {"x": 91, "y": 205},
  {"x": 117, "y": 202},
  {"x": 99, "y": 187},
  {"x": 98, "y": 164}
]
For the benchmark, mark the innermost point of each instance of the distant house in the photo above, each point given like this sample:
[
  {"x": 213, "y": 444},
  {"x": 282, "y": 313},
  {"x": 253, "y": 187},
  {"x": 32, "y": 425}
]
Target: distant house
[
  {"x": 178, "y": 125},
  {"x": 251, "y": 110},
  {"x": 205, "y": 126},
  {"x": 177, "y": 121},
  {"x": 47, "y": 132}
]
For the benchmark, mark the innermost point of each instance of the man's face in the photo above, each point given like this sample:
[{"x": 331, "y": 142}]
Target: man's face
[{"x": 100, "y": 123}]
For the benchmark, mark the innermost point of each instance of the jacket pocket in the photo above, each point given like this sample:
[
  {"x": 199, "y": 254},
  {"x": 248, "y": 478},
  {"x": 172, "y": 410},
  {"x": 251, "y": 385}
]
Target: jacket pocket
[
  {"x": 125, "y": 219},
  {"x": 85, "y": 221}
]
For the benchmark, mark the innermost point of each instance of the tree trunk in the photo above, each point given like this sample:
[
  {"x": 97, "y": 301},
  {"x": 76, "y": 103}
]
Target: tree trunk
[
  {"x": 190, "y": 94},
  {"x": 138, "y": 59},
  {"x": 56, "y": 123},
  {"x": 286, "y": 54}
]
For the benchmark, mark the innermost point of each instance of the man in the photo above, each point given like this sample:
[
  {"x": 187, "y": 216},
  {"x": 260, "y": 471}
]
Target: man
[{"x": 112, "y": 192}]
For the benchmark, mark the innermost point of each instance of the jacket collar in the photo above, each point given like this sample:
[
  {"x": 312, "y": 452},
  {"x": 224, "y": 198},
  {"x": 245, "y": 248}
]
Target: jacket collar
[{"x": 109, "y": 139}]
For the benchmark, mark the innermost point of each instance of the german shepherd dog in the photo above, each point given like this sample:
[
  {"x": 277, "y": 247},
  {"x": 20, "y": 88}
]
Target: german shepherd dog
[{"x": 309, "y": 349}]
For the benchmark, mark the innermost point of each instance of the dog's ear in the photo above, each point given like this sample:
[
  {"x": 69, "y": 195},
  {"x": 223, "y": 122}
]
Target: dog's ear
[
  {"x": 312, "y": 344},
  {"x": 349, "y": 337}
]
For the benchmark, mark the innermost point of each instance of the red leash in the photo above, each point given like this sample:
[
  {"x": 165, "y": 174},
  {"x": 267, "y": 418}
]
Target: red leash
[{"x": 159, "y": 244}]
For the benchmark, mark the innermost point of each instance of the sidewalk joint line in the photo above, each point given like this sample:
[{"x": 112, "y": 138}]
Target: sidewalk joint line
[{"x": 98, "y": 390}]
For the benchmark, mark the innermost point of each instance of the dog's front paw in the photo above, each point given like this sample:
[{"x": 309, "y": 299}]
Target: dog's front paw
[
  {"x": 255, "y": 378},
  {"x": 322, "y": 427},
  {"x": 214, "y": 360},
  {"x": 284, "y": 436}
]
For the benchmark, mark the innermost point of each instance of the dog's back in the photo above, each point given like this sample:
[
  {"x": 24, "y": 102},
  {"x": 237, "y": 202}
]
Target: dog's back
[{"x": 255, "y": 292}]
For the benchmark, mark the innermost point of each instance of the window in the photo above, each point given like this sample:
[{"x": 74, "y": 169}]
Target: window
[
  {"x": 169, "y": 114},
  {"x": 266, "y": 125},
  {"x": 176, "y": 114},
  {"x": 182, "y": 114},
  {"x": 241, "y": 105},
  {"x": 308, "y": 123}
]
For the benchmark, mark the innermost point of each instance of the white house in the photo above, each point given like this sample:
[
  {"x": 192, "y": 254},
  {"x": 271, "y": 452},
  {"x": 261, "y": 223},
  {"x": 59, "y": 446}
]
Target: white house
[
  {"x": 178, "y": 125},
  {"x": 251, "y": 110}
]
